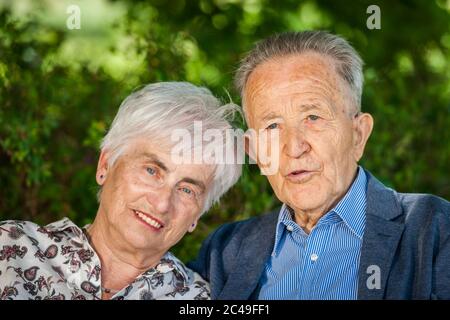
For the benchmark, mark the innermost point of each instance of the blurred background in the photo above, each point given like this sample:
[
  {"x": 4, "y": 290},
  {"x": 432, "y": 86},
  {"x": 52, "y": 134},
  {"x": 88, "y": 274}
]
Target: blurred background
[{"x": 60, "y": 89}]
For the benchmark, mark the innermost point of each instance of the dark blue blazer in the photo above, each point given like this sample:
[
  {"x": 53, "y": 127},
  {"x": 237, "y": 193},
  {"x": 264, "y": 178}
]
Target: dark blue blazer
[{"x": 406, "y": 235}]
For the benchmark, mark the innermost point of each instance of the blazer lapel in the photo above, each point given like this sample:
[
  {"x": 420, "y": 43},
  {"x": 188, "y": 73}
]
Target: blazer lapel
[
  {"x": 383, "y": 231},
  {"x": 253, "y": 253}
]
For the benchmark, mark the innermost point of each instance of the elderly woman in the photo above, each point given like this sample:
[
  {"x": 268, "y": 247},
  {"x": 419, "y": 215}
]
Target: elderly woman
[{"x": 147, "y": 200}]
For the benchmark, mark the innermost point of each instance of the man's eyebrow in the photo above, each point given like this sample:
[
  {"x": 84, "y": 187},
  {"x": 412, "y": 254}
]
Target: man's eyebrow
[
  {"x": 154, "y": 158},
  {"x": 195, "y": 182},
  {"x": 303, "y": 108},
  {"x": 309, "y": 107},
  {"x": 269, "y": 116}
]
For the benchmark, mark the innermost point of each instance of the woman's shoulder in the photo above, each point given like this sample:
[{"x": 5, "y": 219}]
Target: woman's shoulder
[
  {"x": 15, "y": 230},
  {"x": 28, "y": 240}
]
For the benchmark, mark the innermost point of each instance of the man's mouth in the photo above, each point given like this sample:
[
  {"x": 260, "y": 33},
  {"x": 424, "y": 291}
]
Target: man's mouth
[
  {"x": 299, "y": 175},
  {"x": 149, "y": 220}
]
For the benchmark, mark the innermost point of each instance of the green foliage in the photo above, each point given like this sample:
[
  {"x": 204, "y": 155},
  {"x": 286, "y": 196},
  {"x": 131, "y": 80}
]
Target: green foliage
[{"x": 60, "y": 89}]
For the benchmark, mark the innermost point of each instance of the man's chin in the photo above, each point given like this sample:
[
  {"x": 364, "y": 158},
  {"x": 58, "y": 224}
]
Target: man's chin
[
  {"x": 305, "y": 200},
  {"x": 302, "y": 190}
]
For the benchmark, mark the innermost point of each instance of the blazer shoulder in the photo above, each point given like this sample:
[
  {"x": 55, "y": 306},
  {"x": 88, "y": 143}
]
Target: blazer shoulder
[
  {"x": 240, "y": 229},
  {"x": 423, "y": 204},
  {"x": 426, "y": 214}
]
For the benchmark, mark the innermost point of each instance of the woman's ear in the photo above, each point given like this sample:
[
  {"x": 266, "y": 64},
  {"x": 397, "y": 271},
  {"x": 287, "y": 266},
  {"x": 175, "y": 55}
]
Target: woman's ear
[
  {"x": 192, "y": 226},
  {"x": 102, "y": 168},
  {"x": 362, "y": 128}
]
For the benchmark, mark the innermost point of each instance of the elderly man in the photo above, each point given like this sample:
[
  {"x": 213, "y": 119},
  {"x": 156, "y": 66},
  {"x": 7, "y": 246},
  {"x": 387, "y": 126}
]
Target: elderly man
[
  {"x": 340, "y": 233},
  {"x": 147, "y": 204}
]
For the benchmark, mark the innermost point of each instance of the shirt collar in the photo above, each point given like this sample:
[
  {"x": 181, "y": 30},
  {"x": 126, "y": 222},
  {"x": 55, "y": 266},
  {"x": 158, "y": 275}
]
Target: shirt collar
[
  {"x": 170, "y": 263},
  {"x": 285, "y": 221},
  {"x": 351, "y": 209}
]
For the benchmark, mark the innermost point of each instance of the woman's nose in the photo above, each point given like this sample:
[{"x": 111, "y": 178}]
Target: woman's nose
[{"x": 160, "y": 200}]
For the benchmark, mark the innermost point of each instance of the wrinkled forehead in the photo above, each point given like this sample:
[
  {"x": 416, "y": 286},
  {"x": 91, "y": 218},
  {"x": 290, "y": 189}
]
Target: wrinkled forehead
[
  {"x": 294, "y": 77},
  {"x": 143, "y": 150},
  {"x": 139, "y": 147},
  {"x": 293, "y": 67}
]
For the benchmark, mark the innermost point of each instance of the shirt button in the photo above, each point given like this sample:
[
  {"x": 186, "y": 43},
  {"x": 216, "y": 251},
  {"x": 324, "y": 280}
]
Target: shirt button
[
  {"x": 289, "y": 228},
  {"x": 314, "y": 257}
]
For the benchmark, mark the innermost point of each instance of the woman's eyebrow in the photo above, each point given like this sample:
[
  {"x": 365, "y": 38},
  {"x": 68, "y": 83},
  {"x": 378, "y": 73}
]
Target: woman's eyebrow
[
  {"x": 195, "y": 182},
  {"x": 154, "y": 158}
]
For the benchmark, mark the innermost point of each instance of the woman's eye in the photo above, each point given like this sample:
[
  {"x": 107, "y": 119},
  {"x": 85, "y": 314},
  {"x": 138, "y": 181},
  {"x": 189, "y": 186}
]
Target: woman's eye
[
  {"x": 313, "y": 117},
  {"x": 272, "y": 126},
  {"x": 151, "y": 171}
]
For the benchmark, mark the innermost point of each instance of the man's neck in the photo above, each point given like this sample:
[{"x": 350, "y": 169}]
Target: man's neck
[{"x": 307, "y": 219}]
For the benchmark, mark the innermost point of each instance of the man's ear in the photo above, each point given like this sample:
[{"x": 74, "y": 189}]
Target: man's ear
[
  {"x": 102, "y": 168},
  {"x": 362, "y": 128}
]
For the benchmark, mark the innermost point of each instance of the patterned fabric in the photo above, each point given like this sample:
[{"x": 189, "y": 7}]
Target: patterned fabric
[
  {"x": 56, "y": 262},
  {"x": 324, "y": 264}
]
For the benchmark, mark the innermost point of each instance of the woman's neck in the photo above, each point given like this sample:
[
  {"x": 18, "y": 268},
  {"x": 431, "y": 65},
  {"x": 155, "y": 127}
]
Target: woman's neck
[{"x": 119, "y": 267}]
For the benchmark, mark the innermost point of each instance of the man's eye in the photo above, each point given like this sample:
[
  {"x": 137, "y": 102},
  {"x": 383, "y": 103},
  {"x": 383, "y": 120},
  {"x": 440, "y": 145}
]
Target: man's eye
[
  {"x": 313, "y": 117},
  {"x": 272, "y": 126},
  {"x": 188, "y": 191},
  {"x": 151, "y": 171}
]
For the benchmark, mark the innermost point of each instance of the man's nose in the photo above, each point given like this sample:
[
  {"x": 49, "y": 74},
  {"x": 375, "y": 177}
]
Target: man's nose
[{"x": 295, "y": 143}]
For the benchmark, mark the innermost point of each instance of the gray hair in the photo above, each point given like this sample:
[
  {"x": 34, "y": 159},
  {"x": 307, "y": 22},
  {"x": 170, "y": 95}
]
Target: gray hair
[
  {"x": 348, "y": 63},
  {"x": 157, "y": 109}
]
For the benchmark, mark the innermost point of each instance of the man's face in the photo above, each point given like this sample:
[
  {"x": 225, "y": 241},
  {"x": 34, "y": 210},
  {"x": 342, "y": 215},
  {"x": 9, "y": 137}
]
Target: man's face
[
  {"x": 321, "y": 141},
  {"x": 150, "y": 203}
]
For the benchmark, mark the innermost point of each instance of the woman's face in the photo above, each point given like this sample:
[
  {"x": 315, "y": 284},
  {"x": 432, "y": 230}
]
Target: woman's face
[{"x": 148, "y": 201}]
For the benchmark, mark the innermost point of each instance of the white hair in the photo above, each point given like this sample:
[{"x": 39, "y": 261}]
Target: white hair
[
  {"x": 156, "y": 110},
  {"x": 347, "y": 61}
]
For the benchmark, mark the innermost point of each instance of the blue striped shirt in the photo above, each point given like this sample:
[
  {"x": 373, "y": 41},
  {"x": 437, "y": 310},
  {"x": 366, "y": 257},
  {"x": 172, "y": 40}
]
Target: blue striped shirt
[{"x": 324, "y": 264}]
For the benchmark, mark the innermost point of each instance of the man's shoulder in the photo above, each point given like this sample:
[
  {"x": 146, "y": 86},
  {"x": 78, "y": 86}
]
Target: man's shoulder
[
  {"x": 227, "y": 239},
  {"x": 424, "y": 216},
  {"x": 423, "y": 202},
  {"x": 412, "y": 206},
  {"x": 424, "y": 208},
  {"x": 240, "y": 229}
]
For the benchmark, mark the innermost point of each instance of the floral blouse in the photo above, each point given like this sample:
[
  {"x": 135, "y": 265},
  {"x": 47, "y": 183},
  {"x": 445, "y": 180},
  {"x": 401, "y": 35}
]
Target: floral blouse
[{"x": 56, "y": 262}]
